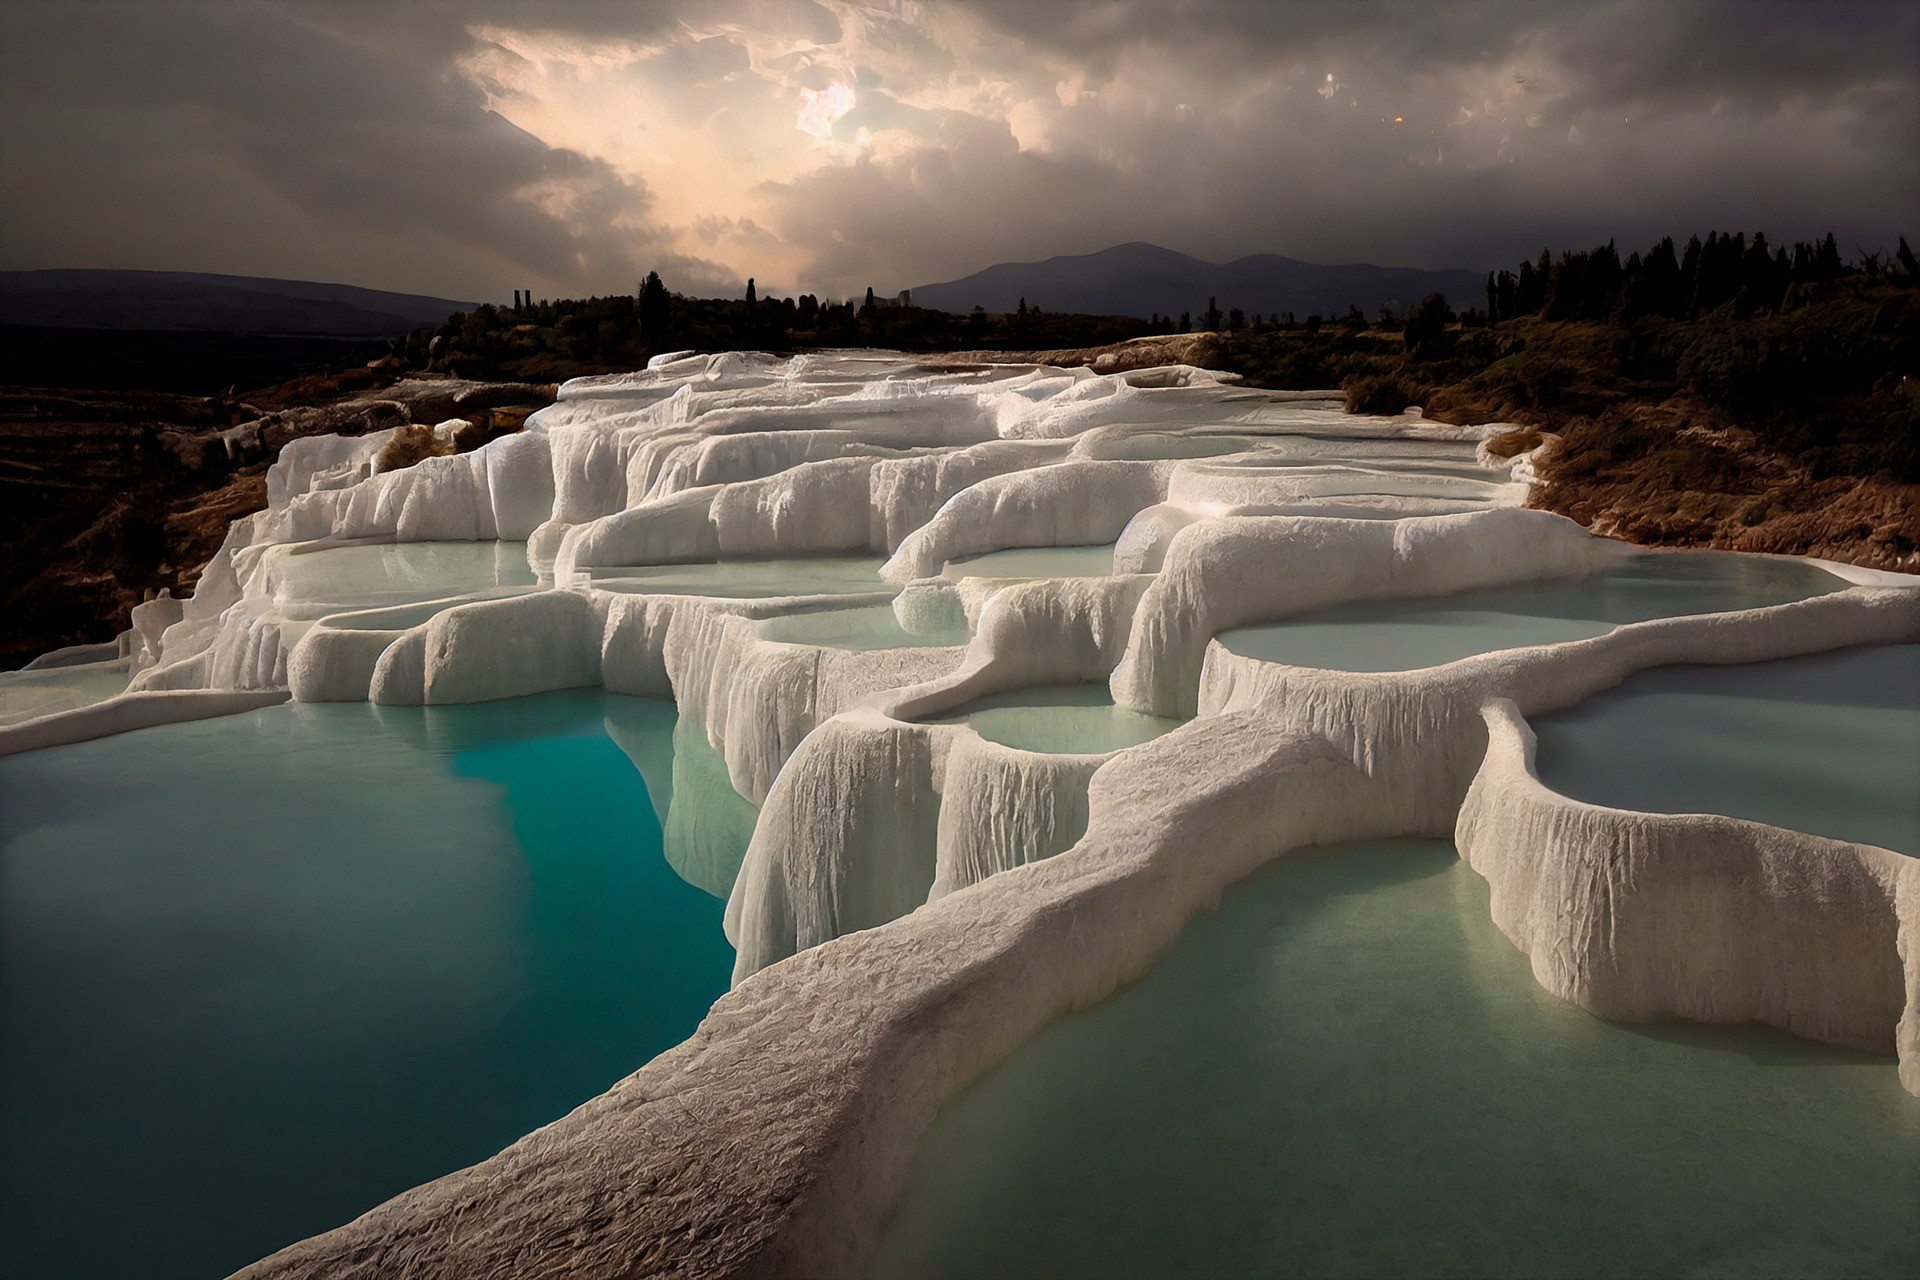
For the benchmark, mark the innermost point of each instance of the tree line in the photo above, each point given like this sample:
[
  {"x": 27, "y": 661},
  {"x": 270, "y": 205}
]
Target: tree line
[{"x": 1679, "y": 284}]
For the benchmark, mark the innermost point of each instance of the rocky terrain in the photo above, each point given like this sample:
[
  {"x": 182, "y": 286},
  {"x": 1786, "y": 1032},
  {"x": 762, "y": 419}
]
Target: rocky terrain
[{"x": 109, "y": 497}]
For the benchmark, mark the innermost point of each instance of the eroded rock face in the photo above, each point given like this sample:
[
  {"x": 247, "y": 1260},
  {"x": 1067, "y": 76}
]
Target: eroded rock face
[{"x": 917, "y": 898}]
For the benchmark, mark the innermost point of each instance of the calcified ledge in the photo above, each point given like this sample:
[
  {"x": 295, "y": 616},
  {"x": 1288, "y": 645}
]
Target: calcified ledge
[{"x": 1643, "y": 916}]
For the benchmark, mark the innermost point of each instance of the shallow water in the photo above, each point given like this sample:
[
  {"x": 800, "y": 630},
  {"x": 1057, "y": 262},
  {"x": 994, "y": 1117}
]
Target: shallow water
[
  {"x": 1404, "y": 635},
  {"x": 311, "y": 956},
  {"x": 744, "y": 579},
  {"x": 864, "y": 627},
  {"x": 1828, "y": 744},
  {"x": 396, "y": 573},
  {"x": 27, "y": 695},
  {"x": 1036, "y": 562},
  {"x": 1349, "y": 1072},
  {"x": 1070, "y": 719}
]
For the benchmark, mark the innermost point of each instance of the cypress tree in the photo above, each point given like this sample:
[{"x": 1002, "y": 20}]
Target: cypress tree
[
  {"x": 1826, "y": 260},
  {"x": 655, "y": 308},
  {"x": 1689, "y": 284}
]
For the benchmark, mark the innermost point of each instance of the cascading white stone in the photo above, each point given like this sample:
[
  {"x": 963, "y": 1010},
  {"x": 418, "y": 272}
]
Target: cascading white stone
[
  {"x": 1223, "y": 573},
  {"x": 1648, "y": 916},
  {"x": 914, "y": 899}
]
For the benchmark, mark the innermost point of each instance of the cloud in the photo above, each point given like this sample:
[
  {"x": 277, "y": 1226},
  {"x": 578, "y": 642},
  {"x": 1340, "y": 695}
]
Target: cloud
[
  {"x": 290, "y": 140},
  {"x": 832, "y": 145}
]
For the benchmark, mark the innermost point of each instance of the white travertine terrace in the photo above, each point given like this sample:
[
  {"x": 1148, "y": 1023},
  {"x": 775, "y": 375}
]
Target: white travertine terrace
[
  {"x": 1614, "y": 911},
  {"x": 917, "y": 900}
]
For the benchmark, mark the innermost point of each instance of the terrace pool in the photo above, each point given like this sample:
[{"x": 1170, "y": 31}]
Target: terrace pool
[
  {"x": 1349, "y": 1072},
  {"x": 392, "y": 573},
  {"x": 1036, "y": 562},
  {"x": 1068, "y": 719},
  {"x": 261, "y": 973},
  {"x": 864, "y": 627},
  {"x": 747, "y": 579},
  {"x": 27, "y": 695},
  {"x": 1828, "y": 744},
  {"x": 1405, "y": 635}
]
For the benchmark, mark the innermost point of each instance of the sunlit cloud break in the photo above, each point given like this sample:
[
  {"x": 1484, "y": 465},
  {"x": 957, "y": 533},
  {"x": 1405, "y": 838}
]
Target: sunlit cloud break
[{"x": 820, "y": 108}]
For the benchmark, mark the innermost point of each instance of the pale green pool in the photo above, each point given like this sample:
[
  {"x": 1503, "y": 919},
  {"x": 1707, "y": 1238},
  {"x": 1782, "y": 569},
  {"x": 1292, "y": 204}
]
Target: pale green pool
[
  {"x": 392, "y": 573},
  {"x": 1404, "y": 635},
  {"x": 1828, "y": 744},
  {"x": 1071, "y": 719},
  {"x": 1349, "y": 1072},
  {"x": 743, "y": 579},
  {"x": 27, "y": 695},
  {"x": 1036, "y": 562},
  {"x": 864, "y": 627}
]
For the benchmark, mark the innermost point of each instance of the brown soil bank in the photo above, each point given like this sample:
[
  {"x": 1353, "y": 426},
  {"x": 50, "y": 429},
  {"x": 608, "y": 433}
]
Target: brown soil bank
[
  {"x": 1786, "y": 428},
  {"x": 108, "y": 497}
]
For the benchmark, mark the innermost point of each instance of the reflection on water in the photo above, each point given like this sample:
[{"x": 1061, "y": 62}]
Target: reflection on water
[
  {"x": 1404, "y": 635},
  {"x": 1349, "y": 1072},
  {"x": 260, "y": 973},
  {"x": 1828, "y": 744}
]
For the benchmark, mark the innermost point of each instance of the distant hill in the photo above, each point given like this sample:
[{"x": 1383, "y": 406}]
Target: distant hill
[
  {"x": 192, "y": 300},
  {"x": 1144, "y": 279}
]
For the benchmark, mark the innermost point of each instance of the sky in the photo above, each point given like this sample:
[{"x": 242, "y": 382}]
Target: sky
[{"x": 468, "y": 149}]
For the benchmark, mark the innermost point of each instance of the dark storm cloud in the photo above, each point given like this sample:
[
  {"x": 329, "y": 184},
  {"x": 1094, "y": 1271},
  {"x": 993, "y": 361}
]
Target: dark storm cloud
[
  {"x": 1520, "y": 125},
  {"x": 342, "y": 126},
  {"x": 373, "y": 142}
]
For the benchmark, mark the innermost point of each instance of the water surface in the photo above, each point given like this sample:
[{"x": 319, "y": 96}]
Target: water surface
[
  {"x": 748, "y": 579},
  {"x": 28, "y": 695},
  {"x": 1349, "y": 1072},
  {"x": 1071, "y": 719},
  {"x": 1828, "y": 744},
  {"x": 258, "y": 974},
  {"x": 394, "y": 573},
  {"x": 1036, "y": 562},
  {"x": 1404, "y": 635},
  {"x": 864, "y": 627}
]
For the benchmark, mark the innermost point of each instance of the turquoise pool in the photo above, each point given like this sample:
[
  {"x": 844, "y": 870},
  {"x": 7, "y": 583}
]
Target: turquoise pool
[
  {"x": 1349, "y": 1072},
  {"x": 1405, "y": 635},
  {"x": 306, "y": 958},
  {"x": 1828, "y": 744}
]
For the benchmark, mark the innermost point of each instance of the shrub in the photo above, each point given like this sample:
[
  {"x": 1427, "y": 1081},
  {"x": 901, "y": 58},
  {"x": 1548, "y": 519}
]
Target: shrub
[
  {"x": 409, "y": 445},
  {"x": 1386, "y": 393}
]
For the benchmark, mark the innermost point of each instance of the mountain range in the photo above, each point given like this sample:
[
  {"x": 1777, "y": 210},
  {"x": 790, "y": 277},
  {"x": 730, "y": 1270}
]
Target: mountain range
[
  {"x": 1144, "y": 279},
  {"x": 191, "y": 300}
]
